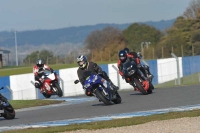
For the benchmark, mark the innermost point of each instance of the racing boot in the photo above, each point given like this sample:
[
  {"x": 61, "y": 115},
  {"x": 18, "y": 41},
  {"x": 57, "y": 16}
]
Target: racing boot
[{"x": 114, "y": 86}]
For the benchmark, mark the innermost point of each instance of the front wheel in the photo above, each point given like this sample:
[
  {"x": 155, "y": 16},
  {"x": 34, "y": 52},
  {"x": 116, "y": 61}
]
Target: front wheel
[
  {"x": 102, "y": 97},
  {"x": 139, "y": 86},
  {"x": 118, "y": 98},
  {"x": 46, "y": 95},
  {"x": 59, "y": 91},
  {"x": 151, "y": 87}
]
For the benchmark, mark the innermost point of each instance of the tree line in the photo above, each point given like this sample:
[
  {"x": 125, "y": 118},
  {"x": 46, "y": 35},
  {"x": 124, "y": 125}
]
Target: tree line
[{"x": 183, "y": 39}]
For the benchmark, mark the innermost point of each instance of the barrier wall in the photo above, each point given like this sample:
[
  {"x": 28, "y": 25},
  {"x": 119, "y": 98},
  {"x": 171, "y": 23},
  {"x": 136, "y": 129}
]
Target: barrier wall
[
  {"x": 163, "y": 70},
  {"x": 190, "y": 65},
  {"x": 154, "y": 70},
  {"x": 5, "y": 81},
  {"x": 167, "y": 69},
  {"x": 22, "y": 87}
]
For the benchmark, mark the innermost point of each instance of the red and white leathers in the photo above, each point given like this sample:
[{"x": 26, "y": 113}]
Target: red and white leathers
[
  {"x": 37, "y": 76},
  {"x": 36, "y": 69}
]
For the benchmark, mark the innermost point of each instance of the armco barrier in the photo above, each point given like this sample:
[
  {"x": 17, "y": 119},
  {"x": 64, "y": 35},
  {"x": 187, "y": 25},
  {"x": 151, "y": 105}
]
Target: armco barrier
[{"x": 162, "y": 69}]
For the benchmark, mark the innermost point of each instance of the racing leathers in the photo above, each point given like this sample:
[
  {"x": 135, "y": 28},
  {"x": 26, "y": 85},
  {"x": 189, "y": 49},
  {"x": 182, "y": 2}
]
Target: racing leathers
[
  {"x": 37, "y": 71},
  {"x": 120, "y": 67},
  {"x": 137, "y": 61}
]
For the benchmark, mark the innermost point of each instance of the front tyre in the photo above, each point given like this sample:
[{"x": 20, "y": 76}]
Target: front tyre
[
  {"x": 118, "y": 98},
  {"x": 150, "y": 88},
  {"x": 59, "y": 91},
  {"x": 139, "y": 86},
  {"x": 102, "y": 97},
  {"x": 46, "y": 95}
]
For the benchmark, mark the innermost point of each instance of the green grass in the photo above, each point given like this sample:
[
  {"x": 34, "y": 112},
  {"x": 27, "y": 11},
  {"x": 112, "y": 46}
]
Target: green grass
[
  {"x": 13, "y": 70},
  {"x": 186, "y": 80},
  {"x": 111, "y": 123},
  {"x": 18, "y": 104}
]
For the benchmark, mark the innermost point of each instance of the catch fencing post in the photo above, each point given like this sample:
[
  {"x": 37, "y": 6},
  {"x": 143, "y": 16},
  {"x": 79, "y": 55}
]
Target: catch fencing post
[
  {"x": 62, "y": 83},
  {"x": 144, "y": 62},
  {"x": 178, "y": 71},
  {"x": 36, "y": 90},
  {"x": 118, "y": 80}
]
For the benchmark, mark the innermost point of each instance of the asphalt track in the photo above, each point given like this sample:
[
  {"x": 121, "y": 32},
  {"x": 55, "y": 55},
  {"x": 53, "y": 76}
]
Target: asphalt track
[{"x": 132, "y": 101}]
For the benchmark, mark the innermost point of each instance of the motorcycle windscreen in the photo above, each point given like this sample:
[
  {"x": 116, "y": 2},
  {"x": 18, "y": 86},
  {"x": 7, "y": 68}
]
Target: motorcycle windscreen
[
  {"x": 86, "y": 75},
  {"x": 129, "y": 68},
  {"x": 51, "y": 76},
  {"x": 87, "y": 79}
]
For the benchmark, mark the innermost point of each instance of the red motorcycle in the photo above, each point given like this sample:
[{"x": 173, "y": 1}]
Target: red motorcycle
[{"x": 50, "y": 84}]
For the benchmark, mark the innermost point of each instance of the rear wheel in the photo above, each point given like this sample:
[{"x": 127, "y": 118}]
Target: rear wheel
[
  {"x": 9, "y": 112},
  {"x": 59, "y": 91},
  {"x": 139, "y": 86},
  {"x": 103, "y": 98}
]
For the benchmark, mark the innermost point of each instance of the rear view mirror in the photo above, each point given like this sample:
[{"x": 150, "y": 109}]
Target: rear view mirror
[{"x": 76, "y": 81}]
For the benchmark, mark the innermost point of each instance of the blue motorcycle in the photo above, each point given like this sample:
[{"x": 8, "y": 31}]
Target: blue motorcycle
[{"x": 100, "y": 88}]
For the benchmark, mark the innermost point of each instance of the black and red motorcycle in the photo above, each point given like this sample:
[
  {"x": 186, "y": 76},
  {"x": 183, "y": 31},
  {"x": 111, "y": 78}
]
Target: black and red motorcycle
[
  {"x": 130, "y": 71},
  {"x": 6, "y": 109}
]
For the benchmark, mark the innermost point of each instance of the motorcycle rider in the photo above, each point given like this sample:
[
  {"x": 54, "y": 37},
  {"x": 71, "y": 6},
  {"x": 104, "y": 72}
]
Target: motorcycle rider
[
  {"x": 145, "y": 67},
  {"x": 85, "y": 65},
  {"x": 137, "y": 56},
  {"x": 38, "y": 69},
  {"x": 123, "y": 57}
]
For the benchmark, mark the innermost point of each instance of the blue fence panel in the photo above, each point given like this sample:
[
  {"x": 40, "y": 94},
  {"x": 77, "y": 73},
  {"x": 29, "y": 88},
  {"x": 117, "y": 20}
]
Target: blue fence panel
[
  {"x": 190, "y": 65},
  {"x": 154, "y": 70},
  {"x": 5, "y": 81},
  {"x": 104, "y": 68}
]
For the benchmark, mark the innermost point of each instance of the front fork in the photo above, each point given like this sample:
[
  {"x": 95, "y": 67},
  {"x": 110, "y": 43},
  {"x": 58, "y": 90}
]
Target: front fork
[{"x": 133, "y": 83}]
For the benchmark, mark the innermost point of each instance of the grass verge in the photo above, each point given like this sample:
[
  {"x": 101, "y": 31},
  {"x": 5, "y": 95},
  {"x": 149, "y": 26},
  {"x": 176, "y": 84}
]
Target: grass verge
[
  {"x": 111, "y": 123},
  {"x": 186, "y": 80},
  {"x": 18, "y": 104}
]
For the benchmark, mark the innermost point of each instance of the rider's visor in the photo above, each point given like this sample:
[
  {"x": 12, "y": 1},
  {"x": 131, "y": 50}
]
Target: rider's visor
[
  {"x": 81, "y": 63},
  {"x": 122, "y": 58}
]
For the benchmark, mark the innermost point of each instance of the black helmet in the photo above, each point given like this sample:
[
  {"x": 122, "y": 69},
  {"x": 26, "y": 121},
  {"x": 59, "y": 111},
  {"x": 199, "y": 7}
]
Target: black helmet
[
  {"x": 40, "y": 63},
  {"x": 82, "y": 61},
  {"x": 126, "y": 50},
  {"x": 122, "y": 55}
]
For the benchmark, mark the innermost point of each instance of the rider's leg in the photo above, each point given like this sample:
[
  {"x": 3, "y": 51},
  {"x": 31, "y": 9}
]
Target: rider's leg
[{"x": 105, "y": 76}]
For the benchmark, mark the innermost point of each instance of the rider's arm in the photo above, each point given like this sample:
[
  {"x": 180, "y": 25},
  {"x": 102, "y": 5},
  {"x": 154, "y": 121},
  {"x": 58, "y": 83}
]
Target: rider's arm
[
  {"x": 97, "y": 68},
  {"x": 80, "y": 76},
  {"x": 46, "y": 67},
  {"x": 35, "y": 70},
  {"x": 119, "y": 67}
]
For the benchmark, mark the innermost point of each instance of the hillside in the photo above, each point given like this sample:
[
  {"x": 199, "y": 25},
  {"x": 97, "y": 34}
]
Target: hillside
[{"x": 70, "y": 35}]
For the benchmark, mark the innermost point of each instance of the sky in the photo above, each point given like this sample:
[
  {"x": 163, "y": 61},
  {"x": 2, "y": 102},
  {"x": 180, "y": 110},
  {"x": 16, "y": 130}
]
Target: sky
[{"x": 22, "y": 15}]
